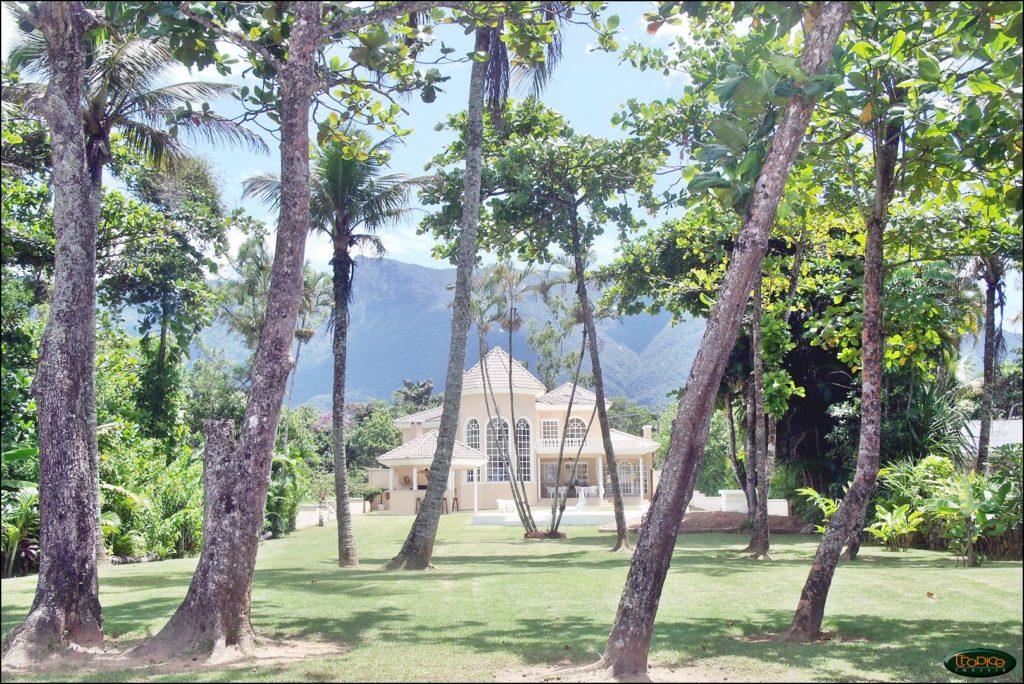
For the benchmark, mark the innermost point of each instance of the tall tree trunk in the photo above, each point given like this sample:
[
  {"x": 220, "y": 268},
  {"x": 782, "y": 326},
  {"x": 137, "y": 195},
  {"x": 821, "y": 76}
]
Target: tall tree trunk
[
  {"x": 94, "y": 164},
  {"x": 291, "y": 394},
  {"x": 557, "y": 501},
  {"x": 849, "y": 518},
  {"x": 629, "y": 640},
  {"x": 203, "y": 605},
  {"x": 514, "y": 473},
  {"x": 988, "y": 365},
  {"x": 587, "y": 311},
  {"x": 216, "y": 611},
  {"x": 737, "y": 469},
  {"x": 417, "y": 551},
  {"x": 343, "y": 272},
  {"x": 750, "y": 465},
  {"x": 759, "y": 533},
  {"x": 66, "y": 608}
]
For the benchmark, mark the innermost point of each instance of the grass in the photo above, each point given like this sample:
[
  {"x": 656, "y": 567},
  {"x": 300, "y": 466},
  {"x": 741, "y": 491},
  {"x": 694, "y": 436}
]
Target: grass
[{"x": 498, "y": 603}]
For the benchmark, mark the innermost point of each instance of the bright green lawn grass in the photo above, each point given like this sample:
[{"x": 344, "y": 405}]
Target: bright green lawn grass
[{"x": 498, "y": 603}]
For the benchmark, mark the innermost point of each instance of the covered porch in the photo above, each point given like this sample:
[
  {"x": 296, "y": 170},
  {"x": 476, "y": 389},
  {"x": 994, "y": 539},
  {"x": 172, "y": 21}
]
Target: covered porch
[
  {"x": 588, "y": 478},
  {"x": 408, "y": 474}
]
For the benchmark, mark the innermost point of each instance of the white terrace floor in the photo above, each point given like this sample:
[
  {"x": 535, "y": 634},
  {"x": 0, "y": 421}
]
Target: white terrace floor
[{"x": 591, "y": 515}]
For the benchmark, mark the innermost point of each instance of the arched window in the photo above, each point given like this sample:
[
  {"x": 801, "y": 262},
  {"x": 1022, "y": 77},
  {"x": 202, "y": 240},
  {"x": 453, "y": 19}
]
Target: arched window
[
  {"x": 473, "y": 441},
  {"x": 524, "y": 448},
  {"x": 497, "y": 450},
  {"x": 629, "y": 478},
  {"x": 575, "y": 432}
]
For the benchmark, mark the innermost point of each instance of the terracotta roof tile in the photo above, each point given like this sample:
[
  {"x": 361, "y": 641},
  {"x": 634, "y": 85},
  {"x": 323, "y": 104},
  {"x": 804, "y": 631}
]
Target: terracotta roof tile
[
  {"x": 497, "y": 374},
  {"x": 424, "y": 446}
]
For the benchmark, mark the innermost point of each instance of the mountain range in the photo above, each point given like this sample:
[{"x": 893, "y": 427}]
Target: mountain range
[{"x": 401, "y": 325}]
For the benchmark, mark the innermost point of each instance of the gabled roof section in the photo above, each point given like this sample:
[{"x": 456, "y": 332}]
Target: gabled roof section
[
  {"x": 422, "y": 449},
  {"x": 560, "y": 397},
  {"x": 429, "y": 415},
  {"x": 497, "y": 361}
]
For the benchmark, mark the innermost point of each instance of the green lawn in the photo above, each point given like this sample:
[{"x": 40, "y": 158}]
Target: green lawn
[{"x": 498, "y": 603}]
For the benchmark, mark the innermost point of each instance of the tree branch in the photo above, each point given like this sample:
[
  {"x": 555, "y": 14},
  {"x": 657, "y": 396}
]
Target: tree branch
[
  {"x": 232, "y": 36},
  {"x": 350, "y": 23}
]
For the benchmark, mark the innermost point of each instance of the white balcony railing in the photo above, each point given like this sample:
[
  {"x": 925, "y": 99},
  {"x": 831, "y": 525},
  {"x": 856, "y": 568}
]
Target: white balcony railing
[{"x": 597, "y": 444}]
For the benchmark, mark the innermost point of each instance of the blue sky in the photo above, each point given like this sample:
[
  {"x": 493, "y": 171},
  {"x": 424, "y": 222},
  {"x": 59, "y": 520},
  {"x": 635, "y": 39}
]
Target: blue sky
[{"x": 587, "y": 88}]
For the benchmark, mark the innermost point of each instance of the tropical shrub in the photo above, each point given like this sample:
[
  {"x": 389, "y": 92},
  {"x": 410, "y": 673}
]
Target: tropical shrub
[
  {"x": 974, "y": 505},
  {"x": 893, "y": 527},
  {"x": 283, "y": 496},
  {"x": 826, "y": 506},
  {"x": 19, "y": 532}
]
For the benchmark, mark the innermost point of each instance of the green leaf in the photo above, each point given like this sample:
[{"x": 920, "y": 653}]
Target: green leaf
[
  {"x": 726, "y": 88},
  {"x": 703, "y": 181},
  {"x": 730, "y": 133},
  {"x": 928, "y": 68}
]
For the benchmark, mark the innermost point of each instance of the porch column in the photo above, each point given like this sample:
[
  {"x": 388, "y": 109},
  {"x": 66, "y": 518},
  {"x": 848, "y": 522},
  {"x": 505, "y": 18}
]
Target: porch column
[
  {"x": 476, "y": 483},
  {"x": 450, "y": 474},
  {"x": 600, "y": 479},
  {"x": 391, "y": 479},
  {"x": 414, "y": 484}
]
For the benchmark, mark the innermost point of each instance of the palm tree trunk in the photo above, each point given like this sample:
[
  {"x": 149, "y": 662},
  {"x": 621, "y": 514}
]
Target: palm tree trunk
[
  {"x": 629, "y": 640},
  {"x": 988, "y": 365},
  {"x": 343, "y": 272},
  {"x": 750, "y": 465},
  {"x": 553, "y": 529},
  {"x": 759, "y": 533},
  {"x": 417, "y": 550},
  {"x": 848, "y": 519},
  {"x": 737, "y": 469},
  {"x": 291, "y": 389},
  {"x": 66, "y": 608},
  {"x": 621, "y": 531},
  {"x": 515, "y": 475},
  {"x": 206, "y": 617}
]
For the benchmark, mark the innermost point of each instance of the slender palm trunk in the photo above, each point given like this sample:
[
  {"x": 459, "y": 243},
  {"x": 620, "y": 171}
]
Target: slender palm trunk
[
  {"x": 291, "y": 393},
  {"x": 988, "y": 365},
  {"x": 737, "y": 469},
  {"x": 587, "y": 312},
  {"x": 215, "y": 612},
  {"x": 557, "y": 500},
  {"x": 66, "y": 608},
  {"x": 515, "y": 474},
  {"x": 343, "y": 271},
  {"x": 417, "y": 551},
  {"x": 849, "y": 518},
  {"x": 629, "y": 640},
  {"x": 750, "y": 465},
  {"x": 759, "y": 534}
]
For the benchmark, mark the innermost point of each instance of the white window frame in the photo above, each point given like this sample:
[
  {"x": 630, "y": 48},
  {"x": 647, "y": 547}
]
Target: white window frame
[
  {"x": 524, "y": 465},
  {"x": 549, "y": 432},
  {"x": 575, "y": 435},
  {"x": 496, "y": 470},
  {"x": 582, "y": 472},
  {"x": 470, "y": 475}
]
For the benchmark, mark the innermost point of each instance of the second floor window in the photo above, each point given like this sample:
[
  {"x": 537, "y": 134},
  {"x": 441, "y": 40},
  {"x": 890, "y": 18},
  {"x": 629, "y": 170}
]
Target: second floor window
[
  {"x": 575, "y": 432},
  {"x": 524, "y": 449}
]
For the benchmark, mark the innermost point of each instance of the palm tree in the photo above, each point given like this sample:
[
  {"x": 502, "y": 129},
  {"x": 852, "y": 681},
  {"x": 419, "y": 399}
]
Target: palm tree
[
  {"x": 351, "y": 200},
  {"x": 121, "y": 94},
  {"x": 488, "y": 81},
  {"x": 316, "y": 297}
]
